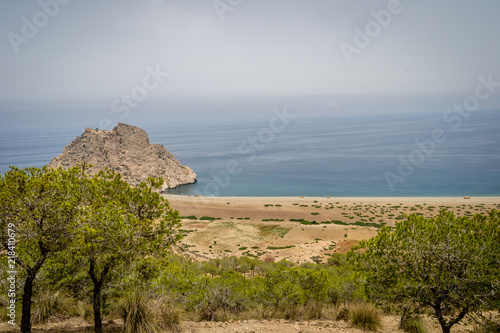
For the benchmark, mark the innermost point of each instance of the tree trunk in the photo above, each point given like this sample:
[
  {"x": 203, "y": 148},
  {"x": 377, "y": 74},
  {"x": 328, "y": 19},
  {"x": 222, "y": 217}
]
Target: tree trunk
[
  {"x": 27, "y": 294},
  {"x": 446, "y": 328},
  {"x": 97, "y": 308},
  {"x": 98, "y": 283},
  {"x": 404, "y": 318}
]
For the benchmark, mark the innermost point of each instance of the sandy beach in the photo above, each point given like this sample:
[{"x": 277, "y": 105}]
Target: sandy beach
[
  {"x": 300, "y": 229},
  {"x": 255, "y": 207}
]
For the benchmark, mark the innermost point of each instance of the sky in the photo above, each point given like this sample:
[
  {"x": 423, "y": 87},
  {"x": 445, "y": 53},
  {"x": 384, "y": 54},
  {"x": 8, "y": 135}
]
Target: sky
[{"x": 93, "y": 63}]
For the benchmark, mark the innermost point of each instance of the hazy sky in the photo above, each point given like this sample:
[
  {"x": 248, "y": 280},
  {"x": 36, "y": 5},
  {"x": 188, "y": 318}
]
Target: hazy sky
[{"x": 68, "y": 60}]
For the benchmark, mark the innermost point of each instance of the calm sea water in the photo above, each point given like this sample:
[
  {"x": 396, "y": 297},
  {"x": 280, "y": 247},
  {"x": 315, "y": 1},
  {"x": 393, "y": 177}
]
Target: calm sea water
[{"x": 313, "y": 157}]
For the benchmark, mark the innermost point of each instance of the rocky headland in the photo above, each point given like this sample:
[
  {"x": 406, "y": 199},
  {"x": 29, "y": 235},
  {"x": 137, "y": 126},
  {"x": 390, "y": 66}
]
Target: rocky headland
[{"x": 126, "y": 150}]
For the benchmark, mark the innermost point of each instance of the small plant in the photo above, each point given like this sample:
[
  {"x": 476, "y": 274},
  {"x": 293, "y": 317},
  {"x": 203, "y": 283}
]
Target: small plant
[
  {"x": 365, "y": 316},
  {"x": 145, "y": 313},
  {"x": 51, "y": 304},
  {"x": 208, "y": 218},
  {"x": 191, "y": 217},
  {"x": 412, "y": 324},
  {"x": 280, "y": 247},
  {"x": 343, "y": 313}
]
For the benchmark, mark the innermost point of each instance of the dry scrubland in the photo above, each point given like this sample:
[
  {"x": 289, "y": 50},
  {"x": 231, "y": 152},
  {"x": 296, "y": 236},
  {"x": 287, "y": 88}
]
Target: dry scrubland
[
  {"x": 293, "y": 228},
  {"x": 389, "y": 325},
  {"x": 299, "y": 229}
]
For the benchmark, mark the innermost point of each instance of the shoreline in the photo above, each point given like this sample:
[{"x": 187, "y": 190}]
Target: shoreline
[{"x": 488, "y": 199}]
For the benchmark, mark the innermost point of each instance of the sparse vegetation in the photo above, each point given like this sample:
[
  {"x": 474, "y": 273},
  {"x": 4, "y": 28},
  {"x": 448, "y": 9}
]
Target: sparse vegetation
[
  {"x": 450, "y": 263},
  {"x": 280, "y": 247},
  {"x": 208, "y": 218},
  {"x": 191, "y": 217}
]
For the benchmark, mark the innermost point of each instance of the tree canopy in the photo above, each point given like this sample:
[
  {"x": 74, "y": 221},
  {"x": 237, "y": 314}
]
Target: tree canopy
[
  {"x": 99, "y": 222},
  {"x": 449, "y": 264},
  {"x": 41, "y": 207},
  {"x": 120, "y": 224}
]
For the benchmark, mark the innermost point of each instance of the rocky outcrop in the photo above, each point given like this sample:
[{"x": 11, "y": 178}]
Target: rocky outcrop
[{"x": 126, "y": 150}]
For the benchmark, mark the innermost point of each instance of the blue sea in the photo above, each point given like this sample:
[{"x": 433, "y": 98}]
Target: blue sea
[{"x": 410, "y": 155}]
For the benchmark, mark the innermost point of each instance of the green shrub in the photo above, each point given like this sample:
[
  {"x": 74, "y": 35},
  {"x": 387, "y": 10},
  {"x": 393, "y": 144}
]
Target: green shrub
[
  {"x": 191, "y": 217},
  {"x": 365, "y": 316},
  {"x": 208, "y": 218},
  {"x": 280, "y": 247}
]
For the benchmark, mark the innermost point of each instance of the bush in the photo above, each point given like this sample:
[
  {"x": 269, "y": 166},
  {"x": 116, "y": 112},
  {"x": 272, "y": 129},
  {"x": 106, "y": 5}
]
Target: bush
[
  {"x": 412, "y": 324},
  {"x": 85, "y": 311},
  {"x": 313, "y": 310},
  {"x": 215, "y": 298},
  {"x": 343, "y": 313},
  {"x": 145, "y": 313},
  {"x": 51, "y": 304},
  {"x": 365, "y": 316},
  {"x": 288, "y": 310},
  {"x": 487, "y": 326}
]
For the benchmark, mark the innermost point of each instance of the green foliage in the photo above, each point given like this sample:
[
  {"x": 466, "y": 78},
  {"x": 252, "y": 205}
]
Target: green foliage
[
  {"x": 191, "y": 217},
  {"x": 273, "y": 230},
  {"x": 120, "y": 224},
  {"x": 39, "y": 208},
  {"x": 212, "y": 297},
  {"x": 449, "y": 264},
  {"x": 208, "y": 218},
  {"x": 280, "y": 247}
]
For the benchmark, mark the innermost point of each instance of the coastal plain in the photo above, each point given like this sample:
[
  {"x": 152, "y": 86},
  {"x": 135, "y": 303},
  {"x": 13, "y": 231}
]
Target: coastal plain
[{"x": 300, "y": 229}]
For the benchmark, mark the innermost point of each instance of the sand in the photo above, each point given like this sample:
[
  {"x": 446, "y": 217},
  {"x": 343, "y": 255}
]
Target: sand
[{"x": 269, "y": 227}]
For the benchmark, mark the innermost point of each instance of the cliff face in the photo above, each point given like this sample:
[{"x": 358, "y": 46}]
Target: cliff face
[{"x": 126, "y": 150}]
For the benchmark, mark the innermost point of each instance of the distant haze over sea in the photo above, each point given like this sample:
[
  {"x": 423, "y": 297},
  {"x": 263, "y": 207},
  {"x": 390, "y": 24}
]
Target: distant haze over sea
[{"x": 408, "y": 155}]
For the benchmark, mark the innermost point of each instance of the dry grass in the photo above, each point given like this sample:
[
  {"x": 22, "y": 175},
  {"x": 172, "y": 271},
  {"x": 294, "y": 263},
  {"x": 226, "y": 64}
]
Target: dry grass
[
  {"x": 50, "y": 305},
  {"x": 413, "y": 324},
  {"x": 144, "y": 313},
  {"x": 365, "y": 316}
]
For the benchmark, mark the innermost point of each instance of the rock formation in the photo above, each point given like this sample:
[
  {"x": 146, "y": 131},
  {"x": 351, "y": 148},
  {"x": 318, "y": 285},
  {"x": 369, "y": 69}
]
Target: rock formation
[{"x": 126, "y": 150}]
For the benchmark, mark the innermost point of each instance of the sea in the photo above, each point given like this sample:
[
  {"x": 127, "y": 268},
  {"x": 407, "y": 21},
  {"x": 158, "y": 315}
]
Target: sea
[{"x": 412, "y": 155}]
